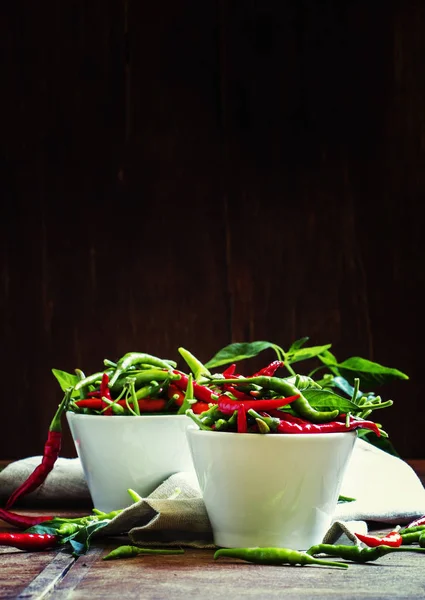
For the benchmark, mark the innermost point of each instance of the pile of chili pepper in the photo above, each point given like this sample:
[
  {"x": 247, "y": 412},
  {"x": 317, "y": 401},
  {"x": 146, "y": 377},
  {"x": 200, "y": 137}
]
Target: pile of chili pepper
[{"x": 140, "y": 383}]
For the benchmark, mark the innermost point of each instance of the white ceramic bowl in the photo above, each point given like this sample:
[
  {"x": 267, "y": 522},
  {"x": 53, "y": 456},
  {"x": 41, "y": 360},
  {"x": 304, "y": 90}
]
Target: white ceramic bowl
[
  {"x": 270, "y": 490},
  {"x": 122, "y": 452}
]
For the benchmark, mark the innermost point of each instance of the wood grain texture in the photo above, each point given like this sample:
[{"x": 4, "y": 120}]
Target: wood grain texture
[{"x": 184, "y": 175}]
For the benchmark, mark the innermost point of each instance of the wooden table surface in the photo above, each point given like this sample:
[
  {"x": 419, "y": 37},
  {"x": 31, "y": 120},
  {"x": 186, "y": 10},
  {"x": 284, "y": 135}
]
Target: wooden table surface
[{"x": 58, "y": 575}]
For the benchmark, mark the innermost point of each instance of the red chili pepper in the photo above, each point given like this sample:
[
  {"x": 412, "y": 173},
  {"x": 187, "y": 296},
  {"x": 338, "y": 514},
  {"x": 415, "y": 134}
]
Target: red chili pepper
[
  {"x": 51, "y": 452},
  {"x": 228, "y": 406},
  {"x": 22, "y": 521},
  {"x": 270, "y": 370},
  {"x": 104, "y": 387},
  {"x": 199, "y": 407},
  {"x": 229, "y": 387},
  {"x": 201, "y": 392},
  {"x": 173, "y": 392},
  {"x": 293, "y": 424},
  {"x": 417, "y": 522},
  {"x": 393, "y": 539},
  {"x": 92, "y": 403},
  {"x": 148, "y": 404},
  {"x": 29, "y": 541},
  {"x": 230, "y": 371},
  {"x": 242, "y": 421}
]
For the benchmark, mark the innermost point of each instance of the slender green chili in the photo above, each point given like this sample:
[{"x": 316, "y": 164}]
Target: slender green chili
[
  {"x": 358, "y": 554},
  {"x": 133, "y": 358},
  {"x": 131, "y": 551},
  {"x": 275, "y": 556}
]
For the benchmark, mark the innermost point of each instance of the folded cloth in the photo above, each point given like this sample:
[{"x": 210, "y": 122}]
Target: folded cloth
[
  {"x": 385, "y": 489},
  {"x": 65, "y": 485}
]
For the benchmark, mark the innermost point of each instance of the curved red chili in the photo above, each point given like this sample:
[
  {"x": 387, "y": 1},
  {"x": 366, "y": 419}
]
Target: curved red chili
[
  {"x": 51, "y": 452},
  {"x": 201, "y": 392},
  {"x": 22, "y": 521},
  {"x": 28, "y": 541},
  {"x": 270, "y": 369},
  {"x": 392, "y": 539}
]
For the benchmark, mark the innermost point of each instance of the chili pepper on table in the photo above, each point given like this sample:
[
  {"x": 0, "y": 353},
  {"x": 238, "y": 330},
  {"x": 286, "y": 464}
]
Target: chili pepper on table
[
  {"x": 22, "y": 521},
  {"x": 285, "y": 388},
  {"x": 51, "y": 452},
  {"x": 412, "y": 537},
  {"x": 393, "y": 539},
  {"x": 413, "y": 529},
  {"x": 417, "y": 522},
  {"x": 131, "y": 551},
  {"x": 275, "y": 556},
  {"x": 357, "y": 554},
  {"x": 29, "y": 541}
]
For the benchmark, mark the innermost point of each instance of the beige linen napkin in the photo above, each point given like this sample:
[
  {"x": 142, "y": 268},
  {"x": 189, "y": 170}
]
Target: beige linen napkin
[{"x": 385, "y": 488}]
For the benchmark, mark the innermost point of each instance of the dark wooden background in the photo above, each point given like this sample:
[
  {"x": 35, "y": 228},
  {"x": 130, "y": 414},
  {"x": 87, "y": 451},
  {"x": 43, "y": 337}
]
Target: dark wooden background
[{"x": 196, "y": 173}]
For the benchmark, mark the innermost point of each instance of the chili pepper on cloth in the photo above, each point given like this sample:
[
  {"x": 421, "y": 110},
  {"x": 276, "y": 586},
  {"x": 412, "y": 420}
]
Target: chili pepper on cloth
[
  {"x": 28, "y": 541},
  {"x": 131, "y": 551},
  {"x": 286, "y": 388},
  {"x": 357, "y": 554},
  {"x": 275, "y": 556},
  {"x": 22, "y": 521},
  {"x": 51, "y": 452},
  {"x": 393, "y": 539}
]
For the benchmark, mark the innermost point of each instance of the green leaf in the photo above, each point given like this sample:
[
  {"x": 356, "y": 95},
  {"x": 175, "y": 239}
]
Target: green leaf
[
  {"x": 328, "y": 400},
  {"x": 370, "y": 373},
  {"x": 236, "y": 352},
  {"x": 297, "y": 345},
  {"x": 66, "y": 380},
  {"x": 297, "y": 355},
  {"x": 329, "y": 360},
  {"x": 80, "y": 542}
]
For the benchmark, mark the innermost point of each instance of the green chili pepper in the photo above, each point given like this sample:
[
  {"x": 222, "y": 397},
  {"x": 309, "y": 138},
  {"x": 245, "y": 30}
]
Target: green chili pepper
[
  {"x": 286, "y": 388},
  {"x": 411, "y": 538},
  {"x": 189, "y": 398},
  {"x": 130, "y": 551},
  {"x": 93, "y": 379},
  {"x": 133, "y": 358},
  {"x": 358, "y": 554},
  {"x": 421, "y": 540},
  {"x": 275, "y": 556},
  {"x": 197, "y": 420},
  {"x": 69, "y": 528},
  {"x": 198, "y": 369},
  {"x": 83, "y": 390},
  {"x": 411, "y": 529}
]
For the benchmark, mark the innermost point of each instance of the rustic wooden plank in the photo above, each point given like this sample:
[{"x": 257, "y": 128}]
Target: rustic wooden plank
[
  {"x": 195, "y": 574},
  {"x": 74, "y": 577},
  {"x": 19, "y": 569},
  {"x": 46, "y": 581}
]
